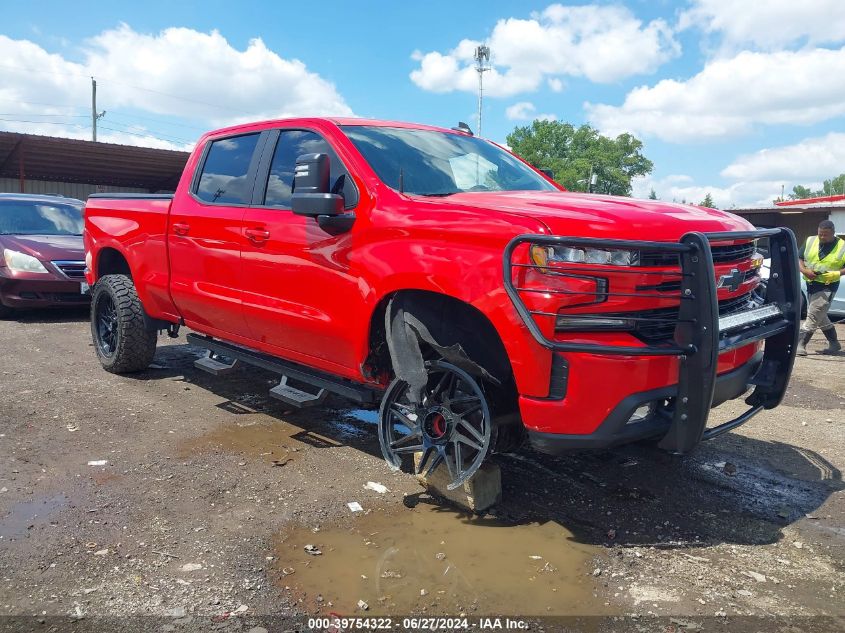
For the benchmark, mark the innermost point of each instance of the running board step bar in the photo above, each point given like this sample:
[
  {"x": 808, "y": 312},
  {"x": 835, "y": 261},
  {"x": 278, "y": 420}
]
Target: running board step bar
[
  {"x": 297, "y": 397},
  {"x": 289, "y": 371},
  {"x": 216, "y": 364}
]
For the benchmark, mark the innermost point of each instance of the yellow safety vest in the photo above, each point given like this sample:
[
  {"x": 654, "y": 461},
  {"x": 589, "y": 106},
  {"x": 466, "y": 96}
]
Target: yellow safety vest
[{"x": 828, "y": 267}]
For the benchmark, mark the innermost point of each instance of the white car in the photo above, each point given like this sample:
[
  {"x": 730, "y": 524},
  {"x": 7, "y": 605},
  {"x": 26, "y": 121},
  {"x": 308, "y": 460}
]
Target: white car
[{"x": 837, "y": 306}]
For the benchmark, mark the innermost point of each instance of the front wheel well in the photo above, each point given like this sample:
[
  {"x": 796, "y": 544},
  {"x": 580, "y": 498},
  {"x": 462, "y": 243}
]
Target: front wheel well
[
  {"x": 453, "y": 326},
  {"x": 450, "y": 321}
]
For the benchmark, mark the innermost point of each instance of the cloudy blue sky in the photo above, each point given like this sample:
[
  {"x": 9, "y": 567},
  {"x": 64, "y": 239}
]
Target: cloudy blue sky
[{"x": 734, "y": 97}]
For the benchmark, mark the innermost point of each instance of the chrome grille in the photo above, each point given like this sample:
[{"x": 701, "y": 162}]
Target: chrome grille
[
  {"x": 723, "y": 254},
  {"x": 71, "y": 270}
]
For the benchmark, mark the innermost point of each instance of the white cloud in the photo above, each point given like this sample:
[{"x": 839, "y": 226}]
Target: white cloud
[
  {"x": 729, "y": 96},
  {"x": 681, "y": 187},
  {"x": 555, "y": 84},
  {"x": 520, "y": 111},
  {"x": 525, "y": 111},
  {"x": 770, "y": 24},
  {"x": 602, "y": 43},
  {"x": 178, "y": 72},
  {"x": 812, "y": 159},
  {"x": 760, "y": 177},
  {"x": 219, "y": 79}
]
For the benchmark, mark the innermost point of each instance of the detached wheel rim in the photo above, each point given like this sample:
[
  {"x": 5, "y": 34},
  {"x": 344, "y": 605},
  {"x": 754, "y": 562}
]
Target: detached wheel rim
[
  {"x": 450, "y": 426},
  {"x": 107, "y": 325}
]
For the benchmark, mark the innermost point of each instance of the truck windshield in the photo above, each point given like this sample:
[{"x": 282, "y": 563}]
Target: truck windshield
[
  {"x": 433, "y": 163},
  {"x": 24, "y": 217}
]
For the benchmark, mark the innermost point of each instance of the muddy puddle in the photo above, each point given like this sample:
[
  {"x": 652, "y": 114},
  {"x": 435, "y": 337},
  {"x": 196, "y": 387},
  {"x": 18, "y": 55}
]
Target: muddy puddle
[
  {"x": 275, "y": 442},
  {"x": 257, "y": 435},
  {"x": 23, "y": 516},
  {"x": 432, "y": 559}
]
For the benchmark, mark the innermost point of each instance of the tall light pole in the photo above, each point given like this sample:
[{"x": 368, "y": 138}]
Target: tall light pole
[{"x": 482, "y": 61}]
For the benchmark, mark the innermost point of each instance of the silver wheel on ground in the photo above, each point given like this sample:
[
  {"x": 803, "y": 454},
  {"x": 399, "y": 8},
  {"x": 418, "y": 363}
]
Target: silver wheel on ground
[{"x": 451, "y": 425}]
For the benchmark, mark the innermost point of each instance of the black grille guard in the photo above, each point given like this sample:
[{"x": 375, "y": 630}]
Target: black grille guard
[{"x": 697, "y": 339}]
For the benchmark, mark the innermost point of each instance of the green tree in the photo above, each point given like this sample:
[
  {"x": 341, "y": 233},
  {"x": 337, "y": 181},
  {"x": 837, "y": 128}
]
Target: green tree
[
  {"x": 572, "y": 153},
  {"x": 707, "y": 202},
  {"x": 799, "y": 192},
  {"x": 652, "y": 195},
  {"x": 832, "y": 187}
]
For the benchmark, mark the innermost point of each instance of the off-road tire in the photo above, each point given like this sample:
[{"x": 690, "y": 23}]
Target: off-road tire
[{"x": 133, "y": 345}]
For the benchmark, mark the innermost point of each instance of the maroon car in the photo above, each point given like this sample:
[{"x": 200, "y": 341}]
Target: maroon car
[{"x": 42, "y": 262}]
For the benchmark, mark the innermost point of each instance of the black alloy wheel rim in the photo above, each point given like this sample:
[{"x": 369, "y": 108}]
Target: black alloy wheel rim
[
  {"x": 107, "y": 325},
  {"x": 450, "y": 426}
]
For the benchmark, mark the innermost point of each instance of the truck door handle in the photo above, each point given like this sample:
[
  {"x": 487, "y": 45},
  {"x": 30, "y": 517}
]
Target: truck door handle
[
  {"x": 257, "y": 235},
  {"x": 181, "y": 229}
]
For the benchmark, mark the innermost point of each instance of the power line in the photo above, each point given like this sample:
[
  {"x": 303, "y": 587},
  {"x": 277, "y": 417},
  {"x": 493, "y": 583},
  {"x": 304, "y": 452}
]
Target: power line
[
  {"x": 153, "y": 133},
  {"x": 123, "y": 115},
  {"x": 121, "y": 83},
  {"x": 44, "y": 122},
  {"x": 187, "y": 99},
  {"x": 86, "y": 127},
  {"x": 72, "y": 116},
  {"x": 138, "y": 129},
  {"x": 126, "y": 117},
  {"x": 50, "y": 105},
  {"x": 141, "y": 135}
]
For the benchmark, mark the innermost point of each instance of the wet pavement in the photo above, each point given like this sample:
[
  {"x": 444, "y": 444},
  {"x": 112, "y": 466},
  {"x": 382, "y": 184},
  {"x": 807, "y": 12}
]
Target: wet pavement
[
  {"x": 23, "y": 516},
  {"x": 212, "y": 489}
]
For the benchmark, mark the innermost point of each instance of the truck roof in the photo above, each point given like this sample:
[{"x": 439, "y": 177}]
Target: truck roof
[{"x": 338, "y": 121}]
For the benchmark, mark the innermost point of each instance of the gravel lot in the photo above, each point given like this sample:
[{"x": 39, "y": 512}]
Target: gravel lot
[{"x": 210, "y": 492}]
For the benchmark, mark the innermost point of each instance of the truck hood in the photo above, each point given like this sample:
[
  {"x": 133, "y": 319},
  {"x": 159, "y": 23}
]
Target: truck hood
[
  {"x": 46, "y": 247},
  {"x": 590, "y": 215}
]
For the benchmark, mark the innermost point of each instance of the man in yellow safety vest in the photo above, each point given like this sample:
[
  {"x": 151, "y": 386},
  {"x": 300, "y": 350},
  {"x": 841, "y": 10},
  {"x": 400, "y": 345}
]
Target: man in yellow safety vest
[{"x": 822, "y": 262}]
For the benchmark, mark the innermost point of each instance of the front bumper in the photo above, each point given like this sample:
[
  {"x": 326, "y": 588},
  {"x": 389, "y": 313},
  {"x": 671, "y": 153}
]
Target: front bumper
[
  {"x": 615, "y": 429},
  {"x": 44, "y": 291},
  {"x": 698, "y": 343}
]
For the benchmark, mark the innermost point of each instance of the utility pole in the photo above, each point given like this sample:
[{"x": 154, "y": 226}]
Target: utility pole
[
  {"x": 592, "y": 181},
  {"x": 94, "y": 115},
  {"x": 482, "y": 60}
]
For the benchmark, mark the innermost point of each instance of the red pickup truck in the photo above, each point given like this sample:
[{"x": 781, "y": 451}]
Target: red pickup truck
[{"x": 441, "y": 275}]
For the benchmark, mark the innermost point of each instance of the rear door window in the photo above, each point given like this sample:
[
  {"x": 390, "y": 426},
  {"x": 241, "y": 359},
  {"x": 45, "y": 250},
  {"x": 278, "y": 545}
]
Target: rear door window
[{"x": 226, "y": 177}]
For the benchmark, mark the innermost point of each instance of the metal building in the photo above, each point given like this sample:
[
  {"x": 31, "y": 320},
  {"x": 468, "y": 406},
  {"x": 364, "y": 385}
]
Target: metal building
[
  {"x": 31, "y": 163},
  {"x": 802, "y": 216}
]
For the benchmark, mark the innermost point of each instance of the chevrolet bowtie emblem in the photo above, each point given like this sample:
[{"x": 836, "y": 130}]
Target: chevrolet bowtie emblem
[{"x": 733, "y": 281}]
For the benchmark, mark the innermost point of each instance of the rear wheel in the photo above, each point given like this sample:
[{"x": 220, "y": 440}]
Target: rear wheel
[
  {"x": 451, "y": 425},
  {"x": 121, "y": 338}
]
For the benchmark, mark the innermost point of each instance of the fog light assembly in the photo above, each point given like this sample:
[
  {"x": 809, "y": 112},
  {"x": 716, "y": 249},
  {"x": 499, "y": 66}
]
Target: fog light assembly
[
  {"x": 589, "y": 323},
  {"x": 642, "y": 413}
]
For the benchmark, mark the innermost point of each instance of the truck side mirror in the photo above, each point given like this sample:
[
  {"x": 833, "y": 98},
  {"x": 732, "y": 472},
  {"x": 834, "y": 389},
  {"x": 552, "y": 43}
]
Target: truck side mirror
[
  {"x": 549, "y": 173},
  {"x": 311, "y": 187}
]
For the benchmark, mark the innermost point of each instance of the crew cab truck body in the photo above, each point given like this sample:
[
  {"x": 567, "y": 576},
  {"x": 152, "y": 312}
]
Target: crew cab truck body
[{"x": 439, "y": 274}]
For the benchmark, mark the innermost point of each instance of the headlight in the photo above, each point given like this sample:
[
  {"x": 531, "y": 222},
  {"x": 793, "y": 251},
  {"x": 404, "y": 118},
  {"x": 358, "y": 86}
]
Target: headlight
[
  {"x": 545, "y": 255},
  {"x": 22, "y": 263}
]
